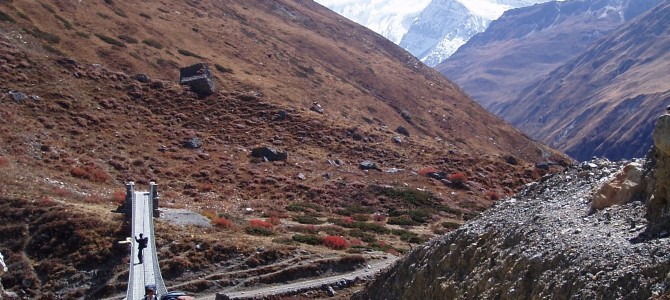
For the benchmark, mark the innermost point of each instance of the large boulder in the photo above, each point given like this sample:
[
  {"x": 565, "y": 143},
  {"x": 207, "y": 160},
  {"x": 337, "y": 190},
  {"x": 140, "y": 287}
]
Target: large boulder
[
  {"x": 623, "y": 188},
  {"x": 269, "y": 153},
  {"x": 662, "y": 134},
  {"x": 199, "y": 78}
]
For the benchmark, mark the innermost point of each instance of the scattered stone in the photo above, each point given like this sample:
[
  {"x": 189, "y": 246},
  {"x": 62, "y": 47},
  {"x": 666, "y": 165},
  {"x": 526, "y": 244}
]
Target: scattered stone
[
  {"x": 301, "y": 176},
  {"x": 368, "y": 165},
  {"x": 199, "y": 78},
  {"x": 397, "y": 140},
  {"x": 143, "y": 78},
  {"x": 402, "y": 130},
  {"x": 317, "y": 108},
  {"x": 269, "y": 154},
  {"x": 193, "y": 143},
  {"x": 542, "y": 166},
  {"x": 437, "y": 175},
  {"x": 331, "y": 291},
  {"x": 18, "y": 96},
  {"x": 282, "y": 115},
  {"x": 405, "y": 115},
  {"x": 511, "y": 160}
]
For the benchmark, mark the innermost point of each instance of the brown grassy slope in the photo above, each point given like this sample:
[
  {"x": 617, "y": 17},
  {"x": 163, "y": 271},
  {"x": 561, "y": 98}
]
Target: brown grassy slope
[
  {"x": 605, "y": 101},
  {"x": 94, "y": 127},
  {"x": 291, "y": 52}
]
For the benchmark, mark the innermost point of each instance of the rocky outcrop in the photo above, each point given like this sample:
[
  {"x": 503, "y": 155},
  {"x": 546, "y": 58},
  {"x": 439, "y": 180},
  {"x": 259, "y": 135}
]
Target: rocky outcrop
[
  {"x": 543, "y": 243},
  {"x": 625, "y": 186},
  {"x": 659, "y": 200}
]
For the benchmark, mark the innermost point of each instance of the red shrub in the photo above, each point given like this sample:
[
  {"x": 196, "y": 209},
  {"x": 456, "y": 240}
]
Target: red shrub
[
  {"x": 90, "y": 172},
  {"x": 356, "y": 242},
  {"x": 61, "y": 192},
  {"x": 457, "y": 178},
  {"x": 427, "y": 170},
  {"x": 379, "y": 217},
  {"x": 493, "y": 195},
  {"x": 274, "y": 220},
  {"x": 3, "y": 161},
  {"x": 118, "y": 197},
  {"x": 348, "y": 220},
  {"x": 205, "y": 187},
  {"x": 222, "y": 222},
  {"x": 260, "y": 224},
  {"x": 335, "y": 242}
]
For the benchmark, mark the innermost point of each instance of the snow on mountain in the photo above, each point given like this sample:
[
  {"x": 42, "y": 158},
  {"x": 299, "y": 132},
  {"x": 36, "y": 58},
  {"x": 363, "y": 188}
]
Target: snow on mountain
[
  {"x": 430, "y": 30},
  {"x": 390, "y": 18},
  {"x": 445, "y": 25}
]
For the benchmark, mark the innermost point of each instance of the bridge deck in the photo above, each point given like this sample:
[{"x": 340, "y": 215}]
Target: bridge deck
[{"x": 148, "y": 272}]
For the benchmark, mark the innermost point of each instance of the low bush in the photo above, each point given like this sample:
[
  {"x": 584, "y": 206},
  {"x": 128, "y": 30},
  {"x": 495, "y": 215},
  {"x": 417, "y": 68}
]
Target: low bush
[
  {"x": 457, "y": 178},
  {"x": 153, "y": 43},
  {"x": 371, "y": 227},
  {"x": 335, "y": 242},
  {"x": 309, "y": 239},
  {"x": 259, "y": 231},
  {"x": 401, "y": 220},
  {"x": 223, "y": 69},
  {"x": 128, "y": 39},
  {"x": 90, "y": 172},
  {"x": 110, "y": 40},
  {"x": 4, "y": 161},
  {"x": 346, "y": 222},
  {"x": 188, "y": 53},
  {"x": 119, "y": 197},
  {"x": 451, "y": 224},
  {"x": 223, "y": 223},
  {"x": 6, "y": 18},
  {"x": 45, "y": 36},
  {"x": 361, "y": 217},
  {"x": 493, "y": 195},
  {"x": 310, "y": 229},
  {"x": 308, "y": 219},
  {"x": 427, "y": 170},
  {"x": 260, "y": 224}
]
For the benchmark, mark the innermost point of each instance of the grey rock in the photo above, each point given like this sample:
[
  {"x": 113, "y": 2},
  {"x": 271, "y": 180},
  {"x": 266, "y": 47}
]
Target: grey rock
[
  {"x": 317, "y": 108},
  {"x": 397, "y": 140},
  {"x": 199, "y": 78},
  {"x": 331, "y": 292},
  {"x": 193, "y": 143},
  {"x": 301, "y": 176},
  {"x": 511, "y": 160},
  {"x": 269, "y": 154},
  {"x": 402, "y": 130},
  {"x": 18, "y": 96},
  {"x": 143, "y": 78},
  {"x": 368, "y": 165}
]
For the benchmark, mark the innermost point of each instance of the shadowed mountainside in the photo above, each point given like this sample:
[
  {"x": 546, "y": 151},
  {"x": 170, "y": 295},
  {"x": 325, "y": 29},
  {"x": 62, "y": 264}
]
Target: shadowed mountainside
[{"x": 603, "y": 102}]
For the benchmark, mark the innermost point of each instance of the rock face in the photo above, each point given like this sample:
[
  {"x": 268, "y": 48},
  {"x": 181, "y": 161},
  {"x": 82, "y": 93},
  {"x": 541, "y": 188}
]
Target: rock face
[
  {"x": 659, "y": 201},
  {"x": 625, "y": 186},
  {"x": 543, "y": 243}
]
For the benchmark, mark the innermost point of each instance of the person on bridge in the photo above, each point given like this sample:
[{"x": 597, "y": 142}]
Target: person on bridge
[
  {"x": 141, "y": 244},
  {"x": 150, "y": 293}
]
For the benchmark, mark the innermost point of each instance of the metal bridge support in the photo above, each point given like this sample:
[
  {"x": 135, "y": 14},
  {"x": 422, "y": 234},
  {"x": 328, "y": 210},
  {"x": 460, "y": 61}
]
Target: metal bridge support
[
  {"x": 128, "y": 204},
  {"x": 153, "y": 193}
]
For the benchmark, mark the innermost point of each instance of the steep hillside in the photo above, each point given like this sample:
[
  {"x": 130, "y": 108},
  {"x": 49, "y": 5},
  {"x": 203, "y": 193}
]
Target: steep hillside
[
  {"x": 604, "y": 101},
  {"x": 527, "y": 43},
  {"x": 90, "y": 99},
  {"x": 586, "y": 233}
]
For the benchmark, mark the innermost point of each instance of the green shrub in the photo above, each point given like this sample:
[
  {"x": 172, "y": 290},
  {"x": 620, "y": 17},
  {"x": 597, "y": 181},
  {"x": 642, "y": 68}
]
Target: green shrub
[
  {"x": 309, "y": 239},
  {"x": 153, "y": 43},
  {"x": 120, "y": 13},
  {"x": 65, "y": 22},
  {"x": 48, "y": 7},
  {"x": 48, "y": 37},
  {"x": 6, "y": 18},
  {"x": 103, "y": 15},
  {"x": 52, "y": 49},
  {"x": 128, "y": 39},
  {"x": 188, "y": 53},
  {"x": 371, "y": 227},
  {"x": 110, "y": 40},
  {"x": 143, "y": 15},
  {"x": 259, "y": 231},
  {"x": 83, "y": 34},
  {"x": 401, "y": 220},
  {"x": 420, "y": 215},
  {"x": 307, "y": 219},
  {"x": 223, "y": 69}
]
